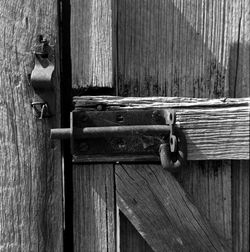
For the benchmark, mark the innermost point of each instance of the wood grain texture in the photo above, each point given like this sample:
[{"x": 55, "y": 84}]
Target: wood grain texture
[
  {"x": 92, "y": 45},
  {"x": 214, "y": 129},
  {"x": 239, "y": 86},
  {"x": 30, "y": 168},
  {"x": 92, "y": 53},
  {"x": 131, "y": 240},
  {"x": 183, "y": 48},
  {"x": 240, "y": 205},
  {"x": 189, "y": 48},
  {"x": 117, "y": 102},
  {"x": 209, "y": 184},
  {"x": 160, "y": 210},
  {"x": 94, "y": 219}
]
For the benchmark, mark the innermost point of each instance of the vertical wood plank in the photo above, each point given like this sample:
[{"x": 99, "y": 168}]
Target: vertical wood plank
[
  {"x": 93, "y": 56},
  {"x": 240, "y": 201},
  {"x": 92, "y": 45},
  {"x": 30, "y": 168},
  {"x": 94, "y": 208},
  {"x": 239, "y": 79}
]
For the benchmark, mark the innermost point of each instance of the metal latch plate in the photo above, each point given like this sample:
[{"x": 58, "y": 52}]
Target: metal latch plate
[{"x": 132, "y": 147}]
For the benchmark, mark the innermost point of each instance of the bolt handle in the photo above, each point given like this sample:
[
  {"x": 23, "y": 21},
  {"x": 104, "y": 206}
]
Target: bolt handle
[{"x": 173, "y": 161}]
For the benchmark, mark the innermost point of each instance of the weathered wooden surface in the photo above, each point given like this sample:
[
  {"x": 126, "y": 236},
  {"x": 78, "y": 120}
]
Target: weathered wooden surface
[
  {"x": 183, "y": 48},
  {"x": 130, "y": 239},
  {"x": 239, "y": 76},
  {"x": 209, "y": 184},
  {"x": 240, "y": 204},
  {"x": 92, "y": 53},
  {"x": 214, "y": 129},
  {"x": 92, "y": 45},
  {"x": 117, "y": 102},
  {"x": 30, "y": 168},
  {"x": 196, "y": 49},
  {"x": 158, "y": 207},
  {"x": 94, "y": 209}
]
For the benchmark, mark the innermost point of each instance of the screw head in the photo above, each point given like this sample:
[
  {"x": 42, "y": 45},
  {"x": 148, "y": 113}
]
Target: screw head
[
  {"x": 99, "y": 107},
  {"x": 118, "y": 144},
  {"x": 83, "y": 147},
  {"x": 157, "y": 117},
  {"x": 83, "y": 117}
]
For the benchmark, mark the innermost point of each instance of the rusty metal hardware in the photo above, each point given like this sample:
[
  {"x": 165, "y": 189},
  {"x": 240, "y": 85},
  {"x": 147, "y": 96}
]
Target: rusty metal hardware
[
  {"x": 115, "y": 131},
  {"x": 118, "y": 136},
  {"x": 173, "y": 161},
  {"x": 173, "y": 151},
  {"x": 40, "y": 109},
  {"x": 41, "y": 79}
]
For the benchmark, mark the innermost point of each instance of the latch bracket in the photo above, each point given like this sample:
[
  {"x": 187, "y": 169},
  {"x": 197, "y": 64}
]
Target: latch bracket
[
  {"x": 43, "y": 103},
  {"x": 118, "y": 136}
]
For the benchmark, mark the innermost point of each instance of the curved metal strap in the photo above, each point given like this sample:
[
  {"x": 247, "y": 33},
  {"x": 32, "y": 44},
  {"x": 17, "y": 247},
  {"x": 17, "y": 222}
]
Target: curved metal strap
[
  {"x": 173, "y": 161},
  {"x": 41, "y": 76}
]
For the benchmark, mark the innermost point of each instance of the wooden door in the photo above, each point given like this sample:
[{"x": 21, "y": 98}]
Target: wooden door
[
  {"x": 159, "y": 48},
  {"x": 31, "y": 211}
]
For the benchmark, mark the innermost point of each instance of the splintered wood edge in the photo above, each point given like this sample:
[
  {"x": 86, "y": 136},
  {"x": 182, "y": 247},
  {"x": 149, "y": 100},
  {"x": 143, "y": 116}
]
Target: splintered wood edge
[
  {"x": 115, "y": 102},
  {"x": 215, "y": 129}
]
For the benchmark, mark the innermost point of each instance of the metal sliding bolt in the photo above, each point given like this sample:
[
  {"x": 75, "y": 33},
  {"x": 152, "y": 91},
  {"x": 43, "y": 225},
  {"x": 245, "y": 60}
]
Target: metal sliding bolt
[{"x": 98, "y": 132}]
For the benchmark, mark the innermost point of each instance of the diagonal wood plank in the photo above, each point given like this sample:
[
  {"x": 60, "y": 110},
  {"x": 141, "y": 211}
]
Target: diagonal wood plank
[{"x": 161, "y": 212}]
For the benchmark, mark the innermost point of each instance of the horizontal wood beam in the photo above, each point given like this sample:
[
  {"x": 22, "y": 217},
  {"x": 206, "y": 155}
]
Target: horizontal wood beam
[{"x": 214, "y": 129}]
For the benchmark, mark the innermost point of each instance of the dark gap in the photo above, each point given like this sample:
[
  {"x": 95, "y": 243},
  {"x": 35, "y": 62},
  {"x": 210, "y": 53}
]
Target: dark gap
[
  {"x": 117, "y": 225},
  {"x": 93, "y": 91},
  {"x": 64, "y": 10}
]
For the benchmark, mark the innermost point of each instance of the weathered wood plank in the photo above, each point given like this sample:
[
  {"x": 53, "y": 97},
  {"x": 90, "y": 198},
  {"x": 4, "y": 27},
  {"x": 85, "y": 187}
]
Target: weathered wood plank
[
  {"x": 30, "y": 169},
  {"x": 183, "y": 48},
  {"x": 214, "y": 129},
  {"x": 240, "y": 205},
  {"x": 94, "y": 219},
  {"x": 93, "y": 65},
  {"x": 239, "y": 87},
  {"x": 92, "y": 45},
  {"x": 160, "y": 210},
  {"x": 113, "y": 102},
  {"x": 209, "y": 183}
]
